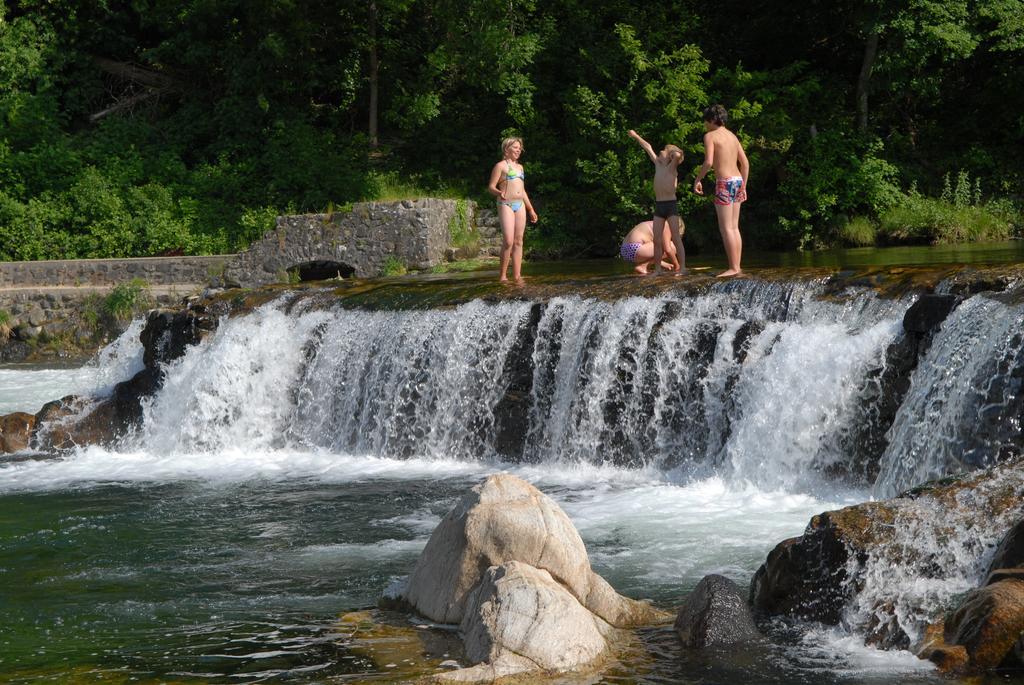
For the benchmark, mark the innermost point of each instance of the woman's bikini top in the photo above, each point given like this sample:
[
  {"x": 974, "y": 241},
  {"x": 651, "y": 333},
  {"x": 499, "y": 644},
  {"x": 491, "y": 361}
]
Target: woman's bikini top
[{"x": 511, "y": 175}]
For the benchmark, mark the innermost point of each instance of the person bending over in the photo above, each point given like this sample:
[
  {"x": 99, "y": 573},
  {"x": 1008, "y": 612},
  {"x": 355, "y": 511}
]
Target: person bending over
[{"x": 638, "y": 248}]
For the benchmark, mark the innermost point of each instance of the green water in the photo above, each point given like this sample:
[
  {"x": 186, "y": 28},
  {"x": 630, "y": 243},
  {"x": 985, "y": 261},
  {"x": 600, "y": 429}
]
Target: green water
[
  {"x": 191, "y": 581},
  {"x": 1006, "y": 252},
  {"x": 245, "y": 582}
]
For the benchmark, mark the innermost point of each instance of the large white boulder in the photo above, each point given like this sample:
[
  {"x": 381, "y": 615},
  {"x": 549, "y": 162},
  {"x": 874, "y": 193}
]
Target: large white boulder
[
  {"x": 506, "y": 519},
  {"x": 520, "y": 619}
]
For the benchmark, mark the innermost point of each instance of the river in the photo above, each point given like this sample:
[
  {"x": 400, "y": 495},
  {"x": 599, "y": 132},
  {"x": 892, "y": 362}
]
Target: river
[{"x": 295, "y": 463}]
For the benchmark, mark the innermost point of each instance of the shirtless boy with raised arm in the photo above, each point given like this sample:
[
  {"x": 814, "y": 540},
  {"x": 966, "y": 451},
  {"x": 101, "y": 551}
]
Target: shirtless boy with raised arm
[
  {"x": 724, "y": 153},
  {"x": 666, "y": 166}
]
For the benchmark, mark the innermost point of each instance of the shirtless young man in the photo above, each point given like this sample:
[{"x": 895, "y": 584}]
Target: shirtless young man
[
  {"x": 666, "y": 166},
  {"x": 724, "y": 153},
  {"x": 638, "y": 248}
]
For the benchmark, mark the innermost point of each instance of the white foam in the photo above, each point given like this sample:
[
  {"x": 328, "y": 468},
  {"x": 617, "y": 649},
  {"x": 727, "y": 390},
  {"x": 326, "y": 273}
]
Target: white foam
[
  {"x": 97, "y": 465},
  {"x": 347, "y": 552},
  {"x": 28, "y": 388},
  {"x": 835, "y": 651}
]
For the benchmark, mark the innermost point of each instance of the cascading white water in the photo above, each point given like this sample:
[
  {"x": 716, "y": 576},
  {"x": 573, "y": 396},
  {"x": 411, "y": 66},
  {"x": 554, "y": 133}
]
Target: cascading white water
[
  {"x": 935, "y": 552},
  {"x": 407, "y": 383},
  {"x": 963, "y": 407},
  {"x": 234, "y": 391},
  {"x": 748, "y": 383},
  {"x": 118, "y": 361}
]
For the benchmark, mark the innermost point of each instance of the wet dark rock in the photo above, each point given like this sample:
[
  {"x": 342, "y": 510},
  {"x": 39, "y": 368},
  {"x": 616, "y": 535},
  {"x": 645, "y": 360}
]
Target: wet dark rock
[
  {"x": 14, "y": 351},
  {"x": 1010, "y": 553},
  {"x": 928, "y": 312},
  {"x": 511, "y": 414},
  {"x": 746, "y": 333},
  {"x": 127, "y": 397},
  {"x": 169, "y": 333},
  {"x": 715, "y": 613},
  {"x": 989, "y": 624},
  {"x": 971, "y": 281},
  {"x": 76, "y": 421},
  {"x": 16, "y": 431},
  {"x": 806, "y": 577},
  {"x": 813, "y": 577},
  {"x": 73, "y": 421},
  {"x": 878, "y": 399}
]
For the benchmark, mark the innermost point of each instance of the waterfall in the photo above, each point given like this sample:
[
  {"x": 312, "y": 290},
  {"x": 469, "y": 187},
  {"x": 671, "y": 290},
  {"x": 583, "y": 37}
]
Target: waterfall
[
  {"x": 766, "y": 383},
  {"x": 752, "y": 381},
  {"x": 685, "y": 433},
  {"x": 964, "y": 406}
]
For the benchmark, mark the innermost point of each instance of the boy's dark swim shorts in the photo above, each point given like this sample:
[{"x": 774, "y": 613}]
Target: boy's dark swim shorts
[{"x": 666, "y": 208}]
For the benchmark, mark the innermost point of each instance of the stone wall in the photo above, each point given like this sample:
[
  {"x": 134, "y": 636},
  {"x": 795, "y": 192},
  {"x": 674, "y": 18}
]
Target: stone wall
[
  {"x": 60, "y": 307},
  {"x": 44, "y": 323},
  {"x": 100, "y": 272},
  {"x": 415, "y": 234},
  {"x": 488, "y": 227}
]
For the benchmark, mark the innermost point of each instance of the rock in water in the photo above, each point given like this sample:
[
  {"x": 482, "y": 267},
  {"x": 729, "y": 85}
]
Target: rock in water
[
  {"x": 1010, "y": 553},
  {"x": 15, "y": 431},
  {"x": 715, "y": 613},
  {"x": 509, "y": 567},
  {"x": 520, "y": 619},
  {"x": 989, "y": 624},
  {"x": 506, "y": 519},
  {"x": 928, "y": 312},
  {"x": 864, "y": 565}
]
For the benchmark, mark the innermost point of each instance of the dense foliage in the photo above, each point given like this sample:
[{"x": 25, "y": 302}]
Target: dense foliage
[{"x": 135, "y": 127}]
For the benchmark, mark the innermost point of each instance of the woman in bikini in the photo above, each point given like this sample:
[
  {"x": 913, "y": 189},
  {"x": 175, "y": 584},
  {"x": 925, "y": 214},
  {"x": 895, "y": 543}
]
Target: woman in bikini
[{"x": 507, "y": 184}]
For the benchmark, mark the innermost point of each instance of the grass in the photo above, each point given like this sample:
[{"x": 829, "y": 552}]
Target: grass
[
  {"x": 919, "y": 219},
  {"x": 123, "y": 301},
  {"x": 390, "y": 187},
  {"x": 860, "y": 231},
  {"x": 393, "y": 266},
  {"x": 5, "y": 326},
  {"x": 288, "y": 276}
]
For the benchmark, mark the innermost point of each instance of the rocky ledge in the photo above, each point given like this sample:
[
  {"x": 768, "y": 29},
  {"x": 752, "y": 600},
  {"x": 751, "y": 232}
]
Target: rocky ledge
[{"x": 938, "y": 570}]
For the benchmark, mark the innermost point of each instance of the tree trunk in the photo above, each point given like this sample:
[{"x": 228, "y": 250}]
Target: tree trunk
[
  {"x": 863, "y": 80},
  {"x": 374, "y": 71}
]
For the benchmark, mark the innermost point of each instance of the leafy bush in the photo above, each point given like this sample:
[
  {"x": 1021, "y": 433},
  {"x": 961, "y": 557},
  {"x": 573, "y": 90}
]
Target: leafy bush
[
  {"x": 460, "y": 231},
  {"x": 831, "y": 175}
]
